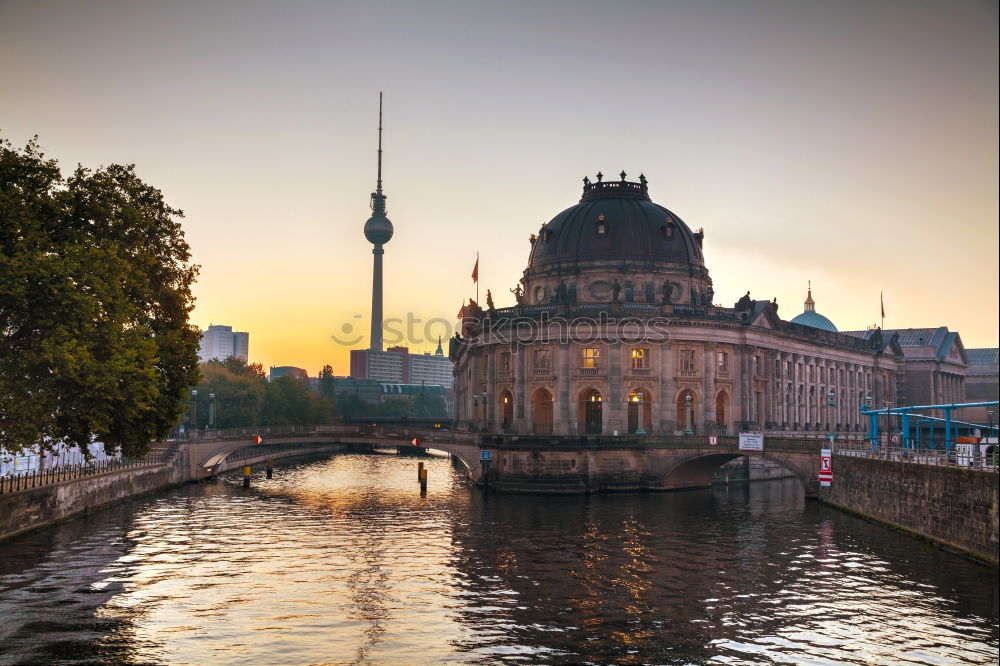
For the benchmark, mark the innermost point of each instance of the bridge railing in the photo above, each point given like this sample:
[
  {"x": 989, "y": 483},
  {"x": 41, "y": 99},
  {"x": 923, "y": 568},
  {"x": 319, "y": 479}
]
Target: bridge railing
[{"x": 968, "y": 458}]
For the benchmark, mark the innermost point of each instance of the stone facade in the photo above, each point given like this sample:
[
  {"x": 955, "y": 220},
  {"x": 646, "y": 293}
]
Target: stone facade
[{"x": 615, "y": 333}]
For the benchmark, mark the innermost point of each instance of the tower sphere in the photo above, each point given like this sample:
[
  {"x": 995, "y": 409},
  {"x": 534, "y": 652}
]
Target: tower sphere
[{"x": 378, "y": 229}]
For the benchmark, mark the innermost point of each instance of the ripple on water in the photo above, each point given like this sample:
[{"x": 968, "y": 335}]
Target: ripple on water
[{"x": 341, "y": 560}]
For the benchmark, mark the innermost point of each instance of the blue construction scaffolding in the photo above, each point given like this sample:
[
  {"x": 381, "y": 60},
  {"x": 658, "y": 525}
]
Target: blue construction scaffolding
[{"x": 911, "y": 421}]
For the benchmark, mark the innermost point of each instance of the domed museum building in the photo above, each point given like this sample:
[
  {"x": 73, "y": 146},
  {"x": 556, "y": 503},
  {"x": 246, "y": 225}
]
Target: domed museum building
[{"x": 615, "y": 331}]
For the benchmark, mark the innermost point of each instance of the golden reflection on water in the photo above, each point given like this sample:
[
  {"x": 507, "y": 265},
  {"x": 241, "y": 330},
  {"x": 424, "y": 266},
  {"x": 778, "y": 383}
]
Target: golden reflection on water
[{"x": 342, "y": 560}]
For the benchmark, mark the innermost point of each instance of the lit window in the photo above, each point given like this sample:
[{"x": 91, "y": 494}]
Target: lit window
[
  {"x": 723, "y": 362},
  {"x": 591, "y": 357},
  {"x": 639, "y": 357}
]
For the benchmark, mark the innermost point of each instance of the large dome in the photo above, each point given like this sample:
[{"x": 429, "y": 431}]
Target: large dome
[
  {"x": 616, "y": 246},
  {"x": 615, "y": 221}
]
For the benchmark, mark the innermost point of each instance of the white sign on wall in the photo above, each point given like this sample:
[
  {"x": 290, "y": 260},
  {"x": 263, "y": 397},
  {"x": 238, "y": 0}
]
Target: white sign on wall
[{"x": 751, "y": 441}]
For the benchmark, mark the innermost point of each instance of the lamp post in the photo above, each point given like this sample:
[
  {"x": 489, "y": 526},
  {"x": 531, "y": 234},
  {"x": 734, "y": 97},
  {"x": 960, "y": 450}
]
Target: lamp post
[
  {"x": 689, "y": 412},
  {"x": 211, "y": 411},
  {"x": 486, "y": 411},
  {"x": 831, "y": 402},
  {"x": 194, "y": 409}
]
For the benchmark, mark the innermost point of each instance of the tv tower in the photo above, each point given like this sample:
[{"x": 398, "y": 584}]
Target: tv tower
[{"x": 378, "y": 231}]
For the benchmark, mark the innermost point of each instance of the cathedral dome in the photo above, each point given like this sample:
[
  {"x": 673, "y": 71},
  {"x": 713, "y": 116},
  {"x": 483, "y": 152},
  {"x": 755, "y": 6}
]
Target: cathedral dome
[{"x": 615, "y": 221}]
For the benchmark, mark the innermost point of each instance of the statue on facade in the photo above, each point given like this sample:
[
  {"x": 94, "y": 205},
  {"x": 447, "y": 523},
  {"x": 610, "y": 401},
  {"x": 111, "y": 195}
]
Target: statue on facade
[
  {"x": 745, "y": 302},
  {"x": 667, "y": 291},
  {"x": 489, "y": 301},
  {"x": 518, "y": 294},
  {"x": 775, "y": 304},
  {"x": 616, "y": 290},
  {"x": 561, "y": 294}
]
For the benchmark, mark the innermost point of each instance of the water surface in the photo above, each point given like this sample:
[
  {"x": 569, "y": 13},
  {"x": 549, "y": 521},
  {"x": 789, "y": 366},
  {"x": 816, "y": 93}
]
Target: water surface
[{"x": 341, "y": 560}]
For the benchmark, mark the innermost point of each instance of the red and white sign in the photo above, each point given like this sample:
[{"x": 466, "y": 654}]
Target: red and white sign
[
  {"x": 713, "y": 440},
  {"x": 825, "y": 467},
  {"x": 258, "y": 439}
]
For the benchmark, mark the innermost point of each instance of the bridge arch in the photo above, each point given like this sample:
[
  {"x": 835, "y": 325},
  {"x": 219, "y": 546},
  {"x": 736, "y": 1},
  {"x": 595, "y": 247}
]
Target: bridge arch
[{"x": 696, "y": 470}]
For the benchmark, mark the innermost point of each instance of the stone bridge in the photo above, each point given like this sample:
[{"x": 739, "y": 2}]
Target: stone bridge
[
  {"x": 594, "y": 464},
  {"x": 546, "y": 464},
  {"x": 214, "y": 451}
]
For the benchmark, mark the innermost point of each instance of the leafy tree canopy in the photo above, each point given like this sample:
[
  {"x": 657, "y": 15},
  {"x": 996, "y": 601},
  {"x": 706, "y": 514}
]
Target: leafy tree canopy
[{"x": 95, "y": 293}]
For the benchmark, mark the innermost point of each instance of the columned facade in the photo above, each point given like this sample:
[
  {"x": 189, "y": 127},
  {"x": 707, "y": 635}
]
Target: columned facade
[{"x": 614, "y": 332}]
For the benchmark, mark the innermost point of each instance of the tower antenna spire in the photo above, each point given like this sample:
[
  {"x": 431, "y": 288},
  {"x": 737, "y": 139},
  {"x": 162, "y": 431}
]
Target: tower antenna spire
[{"x": 378, "y": 185}]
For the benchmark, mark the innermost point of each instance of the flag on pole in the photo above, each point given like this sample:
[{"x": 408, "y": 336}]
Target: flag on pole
[
  {"x": 475, "y": 270},
  {"x": 882, "y": 303}
]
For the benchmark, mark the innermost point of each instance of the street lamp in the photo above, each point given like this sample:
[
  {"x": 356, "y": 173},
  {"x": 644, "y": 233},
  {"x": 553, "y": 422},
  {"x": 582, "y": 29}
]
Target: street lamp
[
  {"x": 194, "y": 409},
  {"x": 831, "y": 401},
  {"x": 211, "y": 411},
  {"x": 690, "y": 414}
]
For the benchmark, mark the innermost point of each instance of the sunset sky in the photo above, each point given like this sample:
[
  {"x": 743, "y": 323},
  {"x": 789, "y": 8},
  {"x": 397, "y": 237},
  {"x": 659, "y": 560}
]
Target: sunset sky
[{"x": 853, "y": 144}]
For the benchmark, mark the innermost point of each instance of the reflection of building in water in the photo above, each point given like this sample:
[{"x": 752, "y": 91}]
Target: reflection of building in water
[{"x": 616, "y": 331}]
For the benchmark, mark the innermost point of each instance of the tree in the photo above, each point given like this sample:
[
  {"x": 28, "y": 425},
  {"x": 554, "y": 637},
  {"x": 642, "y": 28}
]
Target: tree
[
  {"x": 327, "y": 383},
  {"x": 95, "y": 293},
  {"x": 288, "y": 401},
  {"x": 239, "y": 393}
]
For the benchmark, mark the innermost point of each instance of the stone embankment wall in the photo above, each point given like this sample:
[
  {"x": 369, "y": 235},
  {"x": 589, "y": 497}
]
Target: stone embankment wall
[
  {"x": 954, "y": 506},
  {"x": 36, "y": 507}
]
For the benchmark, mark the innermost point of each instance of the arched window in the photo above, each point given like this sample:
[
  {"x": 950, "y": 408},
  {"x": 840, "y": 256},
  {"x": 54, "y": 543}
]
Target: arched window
[{"x": 541, "y": 412}]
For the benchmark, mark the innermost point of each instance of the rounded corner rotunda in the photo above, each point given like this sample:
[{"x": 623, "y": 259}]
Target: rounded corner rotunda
[{"x": 615, "y": 331}]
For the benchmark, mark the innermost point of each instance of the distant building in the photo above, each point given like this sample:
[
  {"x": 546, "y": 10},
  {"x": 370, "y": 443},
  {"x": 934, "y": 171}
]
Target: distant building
[
  {"x": 221, "y": 342},
  {"x": 392, "y": 365},
  {"x": 397, "y": 365},
  {"x": 287, "y": 371},
  {"x": 933, "y": 368},
  {"x": 432, "y": 369},
  {"x": 982, "y": 384}
]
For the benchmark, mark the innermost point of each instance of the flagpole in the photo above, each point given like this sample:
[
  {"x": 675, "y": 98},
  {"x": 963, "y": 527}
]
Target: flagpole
[{"x": 477, "y": 277}]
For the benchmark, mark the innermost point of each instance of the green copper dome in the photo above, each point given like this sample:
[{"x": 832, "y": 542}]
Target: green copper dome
[
  {"x": 816, "y": 320},
  {"x": 810, "y": 317}
]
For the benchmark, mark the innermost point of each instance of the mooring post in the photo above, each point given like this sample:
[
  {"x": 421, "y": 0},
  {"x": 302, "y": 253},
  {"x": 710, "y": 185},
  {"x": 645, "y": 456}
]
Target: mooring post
[
  {"x": 420, "y": 471},
  {"x": 423, "y": 479},
  {"x": 270, "y": 469},
  {"x": 246, "y": 477}
]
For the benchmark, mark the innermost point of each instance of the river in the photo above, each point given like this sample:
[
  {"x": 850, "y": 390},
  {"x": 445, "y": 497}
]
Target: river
[{"x": 342, "y": 561}]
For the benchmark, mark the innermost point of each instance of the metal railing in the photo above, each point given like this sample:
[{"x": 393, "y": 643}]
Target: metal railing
[
  {"x": 970, "y": 459},
  {"x": 43, "y": 477}
]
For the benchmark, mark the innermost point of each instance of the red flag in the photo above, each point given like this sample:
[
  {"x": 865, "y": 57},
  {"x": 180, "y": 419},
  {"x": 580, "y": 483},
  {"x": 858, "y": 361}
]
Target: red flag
[
  {"x": 882, "y": 303},
  {"x": 475, "y": 270}
]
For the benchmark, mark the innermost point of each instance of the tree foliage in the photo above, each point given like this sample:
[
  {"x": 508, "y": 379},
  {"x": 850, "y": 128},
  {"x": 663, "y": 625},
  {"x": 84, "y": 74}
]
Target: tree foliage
[
  {"x": 243, "y": 397},
  {"x": 95, "y": 293}
]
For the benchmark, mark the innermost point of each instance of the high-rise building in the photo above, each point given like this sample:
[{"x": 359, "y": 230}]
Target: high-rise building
[
  {"x": 391, "y": 365},
  {"x": 397, "y": 365},
  {"x": 432, "y": 369},
  {"x": 221, "y": 342}
]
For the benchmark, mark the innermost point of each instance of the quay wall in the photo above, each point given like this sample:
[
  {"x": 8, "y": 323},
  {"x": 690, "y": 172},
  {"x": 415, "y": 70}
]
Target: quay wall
[
  {"x": 30, "y": 509},
  {"x": 953, "y": 506}
]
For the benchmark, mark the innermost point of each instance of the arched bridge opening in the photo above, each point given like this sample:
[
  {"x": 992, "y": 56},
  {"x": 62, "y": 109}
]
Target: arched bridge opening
[{"x": 699, "y": 469}]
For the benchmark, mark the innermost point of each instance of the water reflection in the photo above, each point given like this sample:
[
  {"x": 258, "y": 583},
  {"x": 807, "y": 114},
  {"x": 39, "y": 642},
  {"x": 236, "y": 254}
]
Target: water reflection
[{"x": 342, "y": 561}]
